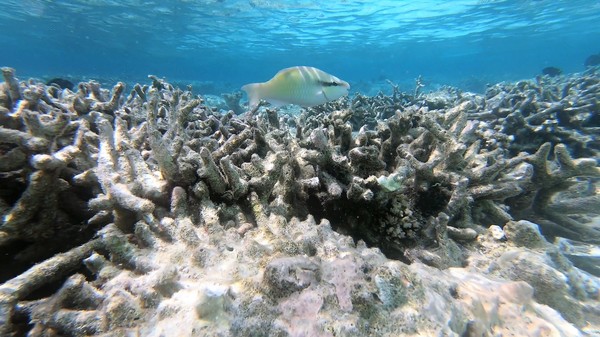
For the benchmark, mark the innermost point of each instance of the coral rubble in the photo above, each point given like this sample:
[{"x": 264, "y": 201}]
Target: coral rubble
[{"x": 151, "y": 214}]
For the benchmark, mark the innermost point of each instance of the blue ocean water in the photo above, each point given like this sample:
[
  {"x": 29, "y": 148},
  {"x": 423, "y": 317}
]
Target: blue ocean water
[{"x": 465, "y": 43}]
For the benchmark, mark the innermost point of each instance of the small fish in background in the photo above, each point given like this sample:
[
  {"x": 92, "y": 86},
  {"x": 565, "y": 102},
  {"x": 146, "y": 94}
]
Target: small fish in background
[
  {"x": 61, "y": 83},
  {"x": 551, "y": 71},
  {"x": 304, "y": 86},
  {"x": 592, "y": 60}
]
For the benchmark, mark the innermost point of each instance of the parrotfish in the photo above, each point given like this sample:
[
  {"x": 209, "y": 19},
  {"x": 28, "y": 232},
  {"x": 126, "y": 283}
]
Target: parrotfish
[{"x": 304, "y": 86}]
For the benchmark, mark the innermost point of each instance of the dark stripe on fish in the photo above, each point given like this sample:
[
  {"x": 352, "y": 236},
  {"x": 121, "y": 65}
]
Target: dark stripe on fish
[{"x": 329, "y": 84}]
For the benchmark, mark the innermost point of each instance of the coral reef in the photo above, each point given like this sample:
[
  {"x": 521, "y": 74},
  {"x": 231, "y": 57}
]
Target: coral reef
[
  {"x": 555, "y": 110},
  {"x": 152, "y": 214},
  {"x": 233, "y": 102},
  {"x": 538, "y": 116}
]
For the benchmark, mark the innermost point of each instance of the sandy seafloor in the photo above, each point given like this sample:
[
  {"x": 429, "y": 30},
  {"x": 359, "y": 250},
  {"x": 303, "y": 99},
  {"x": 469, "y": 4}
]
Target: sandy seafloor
[{"x": 150, "y": 211}]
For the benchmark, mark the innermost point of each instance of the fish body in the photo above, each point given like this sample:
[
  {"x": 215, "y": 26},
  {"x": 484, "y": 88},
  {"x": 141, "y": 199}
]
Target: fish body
[
  {"x": 304, "y": 86},
  {"x": 61, "y": 82},
  {"x": 592, "y": 60},
  {"x": 551, "y": 71}
]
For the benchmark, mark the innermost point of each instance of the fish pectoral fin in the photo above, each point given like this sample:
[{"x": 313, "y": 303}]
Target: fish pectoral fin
[
  {"x": 276, "y": 103},
  {"x": 322, "y": 92}
]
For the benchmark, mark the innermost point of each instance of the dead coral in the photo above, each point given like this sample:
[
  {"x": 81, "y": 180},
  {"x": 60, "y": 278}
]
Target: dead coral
[
  {"x": 438, "y": 158},
  {"x": 548, "y": 180},
  {"x": 201, "y": 212},
  {"x": 562, "y": 110},
  {"x": 233, "y": 102},
  {"x": 45, "y": 149}
]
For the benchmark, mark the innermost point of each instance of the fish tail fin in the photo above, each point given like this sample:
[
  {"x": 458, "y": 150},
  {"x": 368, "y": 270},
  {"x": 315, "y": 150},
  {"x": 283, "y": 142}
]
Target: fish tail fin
[{"x": 253, "y": 90}]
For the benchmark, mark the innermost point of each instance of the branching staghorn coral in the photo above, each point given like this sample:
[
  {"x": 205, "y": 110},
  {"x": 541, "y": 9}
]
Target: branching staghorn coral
[
  {"x": 448, "y": 163},
  {"x": 45, "y": 149},
  {"x": 540, "y": 115},
  {"x": 226, "y": 222},
  {"x": 548, "y": 179},
  {"x": 561, "y": 110}
]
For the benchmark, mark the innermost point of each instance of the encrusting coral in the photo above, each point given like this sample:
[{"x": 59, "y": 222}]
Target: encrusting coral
[{"x": 153, "y": 214}]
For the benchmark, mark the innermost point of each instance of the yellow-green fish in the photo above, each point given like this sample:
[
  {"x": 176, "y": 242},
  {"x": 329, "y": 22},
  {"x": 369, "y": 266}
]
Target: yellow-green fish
[{"x": 305, "y": 86}]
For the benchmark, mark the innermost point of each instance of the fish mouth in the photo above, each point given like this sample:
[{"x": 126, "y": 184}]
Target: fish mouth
[{"x": 345, "y": 84}]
